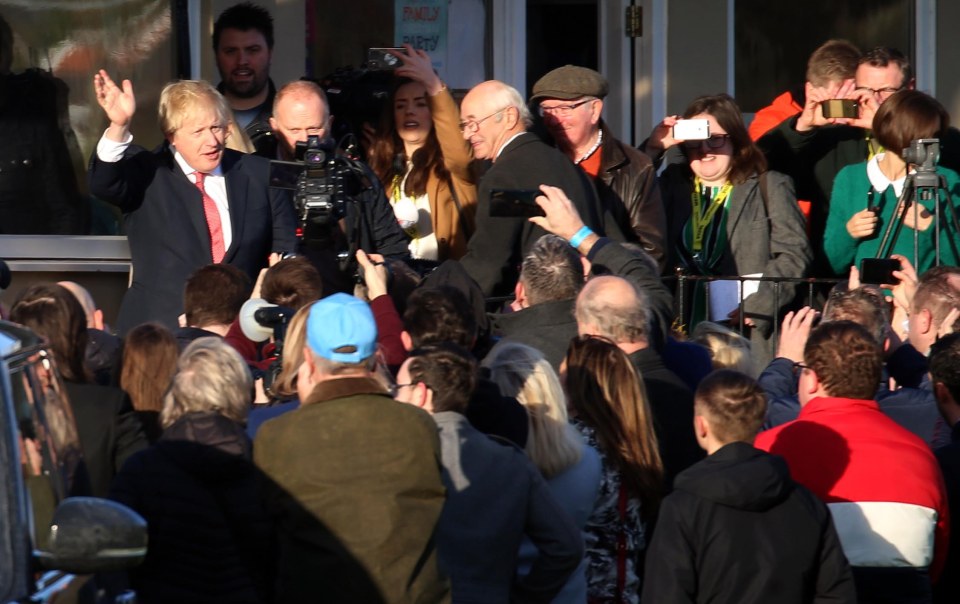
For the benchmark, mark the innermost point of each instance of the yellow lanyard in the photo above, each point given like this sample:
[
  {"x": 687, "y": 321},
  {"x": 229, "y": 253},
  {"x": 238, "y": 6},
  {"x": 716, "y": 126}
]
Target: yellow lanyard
[
  {"x": 702, "y": 219},
  {"x": 873, "y": 147},
  {"x": 397, "y": 192}
]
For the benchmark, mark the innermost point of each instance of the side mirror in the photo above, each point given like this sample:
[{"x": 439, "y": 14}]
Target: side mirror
[{"x": 90, "y": 535}]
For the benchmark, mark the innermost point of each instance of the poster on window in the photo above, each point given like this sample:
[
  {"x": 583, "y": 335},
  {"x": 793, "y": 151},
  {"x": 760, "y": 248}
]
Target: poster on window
[{"x": 423, "y": 25}]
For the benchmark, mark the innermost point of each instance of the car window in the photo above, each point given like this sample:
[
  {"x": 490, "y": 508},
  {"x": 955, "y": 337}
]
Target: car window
[{"x": 50, "y": 458}]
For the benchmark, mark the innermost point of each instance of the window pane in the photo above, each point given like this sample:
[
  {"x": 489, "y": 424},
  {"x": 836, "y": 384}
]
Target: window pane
[
  {"x": 560, "y": 32},
  {"x": 49, "y": 118},
  {"x": 775, "y": 39}
]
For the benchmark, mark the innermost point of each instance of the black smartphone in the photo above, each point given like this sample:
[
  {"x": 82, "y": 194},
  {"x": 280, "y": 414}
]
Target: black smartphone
[
  {"x": 879, "y": 271},
  {"x": 515, "y": 203},
  {"x": 840, "y": 108},
  {"x": 380, "y": 59}
]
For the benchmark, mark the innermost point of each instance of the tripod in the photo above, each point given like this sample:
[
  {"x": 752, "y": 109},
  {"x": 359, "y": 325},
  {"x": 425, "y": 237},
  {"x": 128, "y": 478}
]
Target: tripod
[{"x": 922, "y": 186}]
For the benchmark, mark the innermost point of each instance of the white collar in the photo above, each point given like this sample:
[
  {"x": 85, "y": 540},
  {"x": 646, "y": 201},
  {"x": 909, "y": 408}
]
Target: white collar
[
  {"x": 879, "y": 180},
  {"x": 507, "y": 142}
]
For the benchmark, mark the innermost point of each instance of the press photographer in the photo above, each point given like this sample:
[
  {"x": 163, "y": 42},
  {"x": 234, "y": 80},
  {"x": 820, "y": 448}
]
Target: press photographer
[{"x": 340, "y": 203}]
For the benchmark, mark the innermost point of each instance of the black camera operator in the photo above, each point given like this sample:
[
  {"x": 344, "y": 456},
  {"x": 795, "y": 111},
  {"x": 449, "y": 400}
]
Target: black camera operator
[{"x": 340, "y": 203}]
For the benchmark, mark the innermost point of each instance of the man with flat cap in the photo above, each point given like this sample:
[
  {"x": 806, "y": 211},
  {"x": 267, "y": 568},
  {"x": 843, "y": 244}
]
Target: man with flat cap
[
  {"x": 570, "y": 100},
  {"x": 494, "y": 119}
]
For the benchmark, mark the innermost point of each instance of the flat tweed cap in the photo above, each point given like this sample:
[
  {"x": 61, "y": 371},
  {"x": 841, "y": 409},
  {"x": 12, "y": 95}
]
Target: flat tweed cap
[{"x": 570, "y": 82}]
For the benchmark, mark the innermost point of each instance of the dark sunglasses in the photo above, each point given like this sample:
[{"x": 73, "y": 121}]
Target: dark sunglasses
[{"x": 714, "y": 142}]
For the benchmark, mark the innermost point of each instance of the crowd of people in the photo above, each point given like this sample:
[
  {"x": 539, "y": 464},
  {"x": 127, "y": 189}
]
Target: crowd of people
[{"x": 508, "y": 400}]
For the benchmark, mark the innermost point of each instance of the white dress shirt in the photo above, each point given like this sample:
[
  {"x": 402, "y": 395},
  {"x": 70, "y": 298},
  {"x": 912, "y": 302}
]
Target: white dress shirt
[{"x": 215, "y": 184}]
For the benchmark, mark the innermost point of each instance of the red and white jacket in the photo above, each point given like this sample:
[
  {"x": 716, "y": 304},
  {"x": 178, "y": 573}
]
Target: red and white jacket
[{"x": 882, "y": 483}]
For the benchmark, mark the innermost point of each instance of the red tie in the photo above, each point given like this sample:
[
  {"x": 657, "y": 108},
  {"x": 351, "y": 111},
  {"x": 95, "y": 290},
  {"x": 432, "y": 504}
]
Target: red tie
[{"x": 212, "y": 215}]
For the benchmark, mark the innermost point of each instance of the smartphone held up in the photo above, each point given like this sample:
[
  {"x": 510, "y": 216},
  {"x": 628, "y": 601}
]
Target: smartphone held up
[
  {"x": 840, "y": 108},
  {"x": 691, "y": 130},
  {"x": 383, "y": 59}
]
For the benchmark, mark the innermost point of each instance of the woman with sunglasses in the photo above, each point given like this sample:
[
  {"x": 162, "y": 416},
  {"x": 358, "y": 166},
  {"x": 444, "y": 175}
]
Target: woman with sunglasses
[
  {"x": 728, "y": 216},
  {"x": 423, "y": 161}
]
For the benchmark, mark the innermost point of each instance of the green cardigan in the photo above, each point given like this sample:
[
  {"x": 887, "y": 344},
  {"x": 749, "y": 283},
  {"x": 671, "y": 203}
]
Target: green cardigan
[{"x": 850, "y": 195}]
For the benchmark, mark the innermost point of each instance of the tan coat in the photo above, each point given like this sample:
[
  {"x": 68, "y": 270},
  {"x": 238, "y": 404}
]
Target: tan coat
[{"x": 457, "y": 156}]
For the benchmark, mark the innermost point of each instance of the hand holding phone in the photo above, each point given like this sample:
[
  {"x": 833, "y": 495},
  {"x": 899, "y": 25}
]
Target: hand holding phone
[{"x": 879, "y": 271}]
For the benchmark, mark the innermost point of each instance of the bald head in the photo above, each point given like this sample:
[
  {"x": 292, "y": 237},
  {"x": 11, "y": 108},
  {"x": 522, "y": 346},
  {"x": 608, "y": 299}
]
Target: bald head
[
  {"x": 614, "y": 308},
  {"x": 491, "y": 114},
  {"x": 93, "y": 314},
  {"x": 300, "y": 109}
]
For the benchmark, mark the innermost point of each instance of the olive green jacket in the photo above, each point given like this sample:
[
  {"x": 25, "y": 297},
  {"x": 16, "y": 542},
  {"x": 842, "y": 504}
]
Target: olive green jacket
[{"x": 353, "y": 479}]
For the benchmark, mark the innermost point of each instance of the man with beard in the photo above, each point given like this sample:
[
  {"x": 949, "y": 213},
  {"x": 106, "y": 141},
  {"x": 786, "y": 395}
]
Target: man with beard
[{"x": 243, "y": 46}]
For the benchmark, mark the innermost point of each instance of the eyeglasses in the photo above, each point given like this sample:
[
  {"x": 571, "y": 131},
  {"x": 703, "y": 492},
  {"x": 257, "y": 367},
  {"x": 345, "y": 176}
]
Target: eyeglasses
[
  {"x": 716, "y": 141},
  {"x": 883, "y": 93},
  {"x": 798, "y": 367},
  {"x": 394, "y": 389},
  {"x": 471, "y": 126},
  {"x": 562, "y": 110}
]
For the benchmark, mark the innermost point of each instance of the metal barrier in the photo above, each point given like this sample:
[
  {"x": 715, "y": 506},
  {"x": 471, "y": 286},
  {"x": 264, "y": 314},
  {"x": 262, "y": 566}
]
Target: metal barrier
[
  {"x": 811, "y": 284},
  {"x": 681, "y": 280}
]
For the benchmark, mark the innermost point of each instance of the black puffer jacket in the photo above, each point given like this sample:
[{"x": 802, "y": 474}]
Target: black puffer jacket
[
  {"x": 738, "y": 529},
  {"x": 209, "y": 538}
]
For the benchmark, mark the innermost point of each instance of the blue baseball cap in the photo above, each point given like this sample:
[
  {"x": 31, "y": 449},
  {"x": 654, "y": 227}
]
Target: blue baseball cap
[{"x": 342, "y": 329}]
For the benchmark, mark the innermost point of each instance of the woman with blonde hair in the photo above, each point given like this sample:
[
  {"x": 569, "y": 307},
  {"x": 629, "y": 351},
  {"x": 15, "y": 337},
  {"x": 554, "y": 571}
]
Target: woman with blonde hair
[
  {"x": 728, "y": 349},
  {"x": 149, "y": 361},
  {"x": 283, "y": 390},
  {"x": 210, "y": 537},
  {"x": 571, "y": 467},
  {"x": 608, "y": 401}
]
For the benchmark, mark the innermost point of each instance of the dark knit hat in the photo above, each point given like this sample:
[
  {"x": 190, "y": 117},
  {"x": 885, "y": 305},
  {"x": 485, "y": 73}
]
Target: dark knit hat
[{"x": 570, "y": 82}]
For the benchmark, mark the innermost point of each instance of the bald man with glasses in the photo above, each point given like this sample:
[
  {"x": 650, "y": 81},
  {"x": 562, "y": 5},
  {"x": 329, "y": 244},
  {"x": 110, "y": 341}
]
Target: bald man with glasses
[
  {"x": 494, "y": 119},
  {"x": 570, "y": 100}
]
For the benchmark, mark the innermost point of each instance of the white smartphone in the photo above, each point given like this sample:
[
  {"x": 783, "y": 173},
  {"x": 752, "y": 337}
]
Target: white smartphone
[{"x": 691, "y": 130}]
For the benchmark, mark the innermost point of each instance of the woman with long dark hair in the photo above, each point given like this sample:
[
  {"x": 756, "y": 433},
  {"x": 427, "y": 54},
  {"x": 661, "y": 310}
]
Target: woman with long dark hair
[
  {"x": 423, "y": 161},
  {"x": 609, "y": 407},
  {"x": 108, "y": 429},
  {"x": 728, "y": 216}
]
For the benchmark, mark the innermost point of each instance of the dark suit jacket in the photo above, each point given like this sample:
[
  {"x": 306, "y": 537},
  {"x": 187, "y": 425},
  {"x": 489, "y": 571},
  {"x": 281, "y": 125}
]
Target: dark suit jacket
[
  {"x": 165, "y": 224},
  {"x": 496, "y": 249}
]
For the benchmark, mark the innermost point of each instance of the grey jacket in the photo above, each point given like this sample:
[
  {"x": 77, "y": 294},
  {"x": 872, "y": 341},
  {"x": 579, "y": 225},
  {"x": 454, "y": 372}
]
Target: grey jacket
[
  {"x": 495, "y": 496},
  {"x": 762, "y": 238}
]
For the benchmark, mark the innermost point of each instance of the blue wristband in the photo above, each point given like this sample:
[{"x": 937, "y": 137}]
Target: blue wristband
[{"x": 579, "y": 236}]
